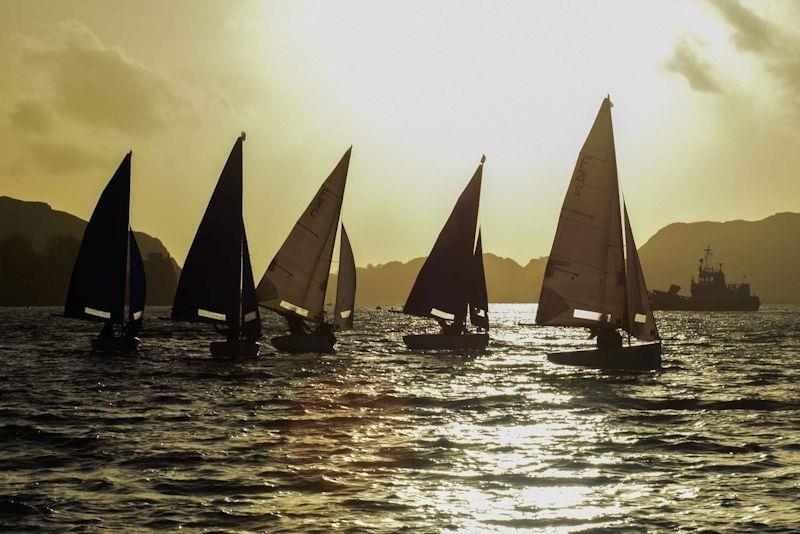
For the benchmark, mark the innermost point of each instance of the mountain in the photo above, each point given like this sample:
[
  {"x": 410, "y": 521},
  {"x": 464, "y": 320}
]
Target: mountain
[
  {"x": 766, "y": 252},
  {"x": 38, "y": 246}
]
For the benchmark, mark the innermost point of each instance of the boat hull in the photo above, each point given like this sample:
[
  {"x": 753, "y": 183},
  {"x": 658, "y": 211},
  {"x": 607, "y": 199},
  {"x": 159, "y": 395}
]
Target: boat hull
[
  {"x": 304, "y": 344},
  {"x": 115, "y": 344},
  {"x": 635, "y": 357},
  {"x": 447, "y": 342},
  {"x": 235, "y": 349},
  {"x": 665, "y": 301}
]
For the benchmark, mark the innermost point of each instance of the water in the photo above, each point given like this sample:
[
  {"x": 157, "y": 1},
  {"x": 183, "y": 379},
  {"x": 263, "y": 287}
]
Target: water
[{"x": 376, "y": 438}]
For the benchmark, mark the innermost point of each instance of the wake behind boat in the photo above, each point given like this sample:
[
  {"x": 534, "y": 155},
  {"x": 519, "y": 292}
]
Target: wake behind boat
[
  {"x": 296, "y": 280},
  {"x": 216, "y": 284},
  {"x": 452, "y": 280},
  {"x": 97, "y": 286},
  {"x": 592, "y": 279}
]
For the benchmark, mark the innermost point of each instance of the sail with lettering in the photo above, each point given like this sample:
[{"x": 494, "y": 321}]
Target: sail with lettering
[
  {"x": 297, "y": 278},
  {"x": 209, "y": 286},
  {"x": 442, "y": 287},
  {"x": 345, "y": 286},
  {"x": 478, "y": 299},
  {"x": 641, "y": 323},
  {"x": 584, "y": 281},
  {"x": 97, "y": 286}
]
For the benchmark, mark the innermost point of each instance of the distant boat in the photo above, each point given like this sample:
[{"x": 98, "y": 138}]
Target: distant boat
[
  {"x": 97, "y": 286},
  {"x": 216, "y": 284},
  {"x": 296, "y": 280},
  {"x": 709, "y": 293},
  {"x": 452, "y": 280},
  {"x": 592, "y": 280}
]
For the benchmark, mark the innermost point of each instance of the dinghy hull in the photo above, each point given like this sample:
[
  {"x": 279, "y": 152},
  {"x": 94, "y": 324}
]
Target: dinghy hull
[
  {"x": 235, "y": 349},
  {"x": 635, "y": 357},
  {"x": 115, "y": 344},
  {"x": 304, "y": 344},
  {"x": 447, "y": 342}
]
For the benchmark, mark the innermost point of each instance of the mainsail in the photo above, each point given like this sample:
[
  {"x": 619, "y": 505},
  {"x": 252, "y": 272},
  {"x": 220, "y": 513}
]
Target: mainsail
[
  {"x": 584, "y": 282},
  {"x": 478, "y": 298},
  {"x": 209, "y": 286},
  {"x": 640, "y": 321},
  {"x": 297, "y": 277},
  {"x": 137, "y": 288},
  {"x": 441, "y": 289},
  {"x": 97, "y": 286},
  {"x": 345, "y": 286}
]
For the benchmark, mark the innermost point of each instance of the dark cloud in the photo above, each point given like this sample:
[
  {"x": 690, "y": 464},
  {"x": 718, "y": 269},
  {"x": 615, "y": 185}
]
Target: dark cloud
[
  {"x": 686, "y": 61},
  {"x": 778, "y": 51},
  {"x": 60, "y": 158},
  {"x": 31, "y": 116},
  {"x": 751, "y": 32},
  {"x": 101, "y": 86}
]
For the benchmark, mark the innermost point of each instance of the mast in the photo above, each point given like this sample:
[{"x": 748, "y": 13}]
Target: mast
[{"x": 441, "y": 289}]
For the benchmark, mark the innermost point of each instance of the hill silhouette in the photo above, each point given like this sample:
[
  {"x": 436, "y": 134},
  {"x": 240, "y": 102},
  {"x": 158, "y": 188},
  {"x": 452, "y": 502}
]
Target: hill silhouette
[
  {"x": 38, "y": 246},
  {"x": 766, "y": 251}
]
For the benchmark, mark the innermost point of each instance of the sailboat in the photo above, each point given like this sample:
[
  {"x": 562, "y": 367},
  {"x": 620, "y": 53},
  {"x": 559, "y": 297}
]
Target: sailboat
[
  {"x": 216, "y": 284},
  {"x": 593, "y": 279},
  {"x": 451, "y": 282},
  {"x": 97, "y": 286},
  {"x": 296, "y": 280}
]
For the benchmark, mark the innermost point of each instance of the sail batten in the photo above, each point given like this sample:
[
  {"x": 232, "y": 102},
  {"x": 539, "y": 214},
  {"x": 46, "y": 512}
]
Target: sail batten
[
  {"x": 97, "y": 285},
  {"x": 297, "y": 277},
  {"x": 443, "y": 283},
  {"x": 586, "y": 270},
  {"x": 345, "y": 286}
]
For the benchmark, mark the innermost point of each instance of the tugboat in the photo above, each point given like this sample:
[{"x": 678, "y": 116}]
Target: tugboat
[{"x": 709, "y": 293}]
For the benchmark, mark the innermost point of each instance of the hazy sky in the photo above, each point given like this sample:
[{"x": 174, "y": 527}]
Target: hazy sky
[{"x": 707, "y": 113}]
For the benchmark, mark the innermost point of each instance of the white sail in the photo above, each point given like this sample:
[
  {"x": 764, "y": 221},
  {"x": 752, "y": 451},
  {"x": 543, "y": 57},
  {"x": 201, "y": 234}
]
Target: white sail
[
  {"x": 640, "y": 321},
  {"x": 296, "y": 279},
  {"x": 345, "y": 286},
  {"x": 584, "y": 283}
]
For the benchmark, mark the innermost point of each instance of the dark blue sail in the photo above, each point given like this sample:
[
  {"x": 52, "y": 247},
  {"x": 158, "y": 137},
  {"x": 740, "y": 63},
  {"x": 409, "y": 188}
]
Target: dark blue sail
[
  {"x": 478, "y": 298},
  {"x": 137, "y": 289},
  {"x": 97, "y": 286},
  {"x": 251, "y": 319},
  {"x": 208, "y": 289},
  {"x": 442, "y": 286}
]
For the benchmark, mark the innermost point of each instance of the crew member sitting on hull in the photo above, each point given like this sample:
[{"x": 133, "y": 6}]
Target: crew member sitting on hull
[
  {"x": 607, "y": 337},
  {"x": 107, "y": 332},
  {"x": 297, "y": 327},
  {"x": 455, "y": 329},
  {"x": 326, "y": 329}
]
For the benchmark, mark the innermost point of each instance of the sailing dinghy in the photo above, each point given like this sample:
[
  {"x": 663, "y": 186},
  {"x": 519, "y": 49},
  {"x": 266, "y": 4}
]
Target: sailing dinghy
[
  {"x": 296, "y": 280},
  {"x": 216, "y": 284},
  {"x": 97, "y": 286},
  {"x": 452, "y": 281},
  {"x": 592, "y": 278}
]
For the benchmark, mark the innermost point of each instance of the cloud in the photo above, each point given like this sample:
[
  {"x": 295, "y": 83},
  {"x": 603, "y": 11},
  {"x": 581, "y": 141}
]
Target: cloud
[
  {"x": 101, "y": 86},
  {"x": 58, "y": 157},
  {"x": 31, "y": 116},
  {"x": 751, "y": 32},
  {"x": 777, "y": 50},
  {"x": 686, "y": 61}
]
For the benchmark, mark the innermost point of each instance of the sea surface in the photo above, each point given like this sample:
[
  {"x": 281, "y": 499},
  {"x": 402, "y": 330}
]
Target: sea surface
[{"x": 375, "y": 438}]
